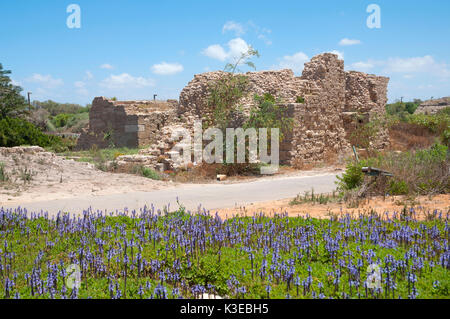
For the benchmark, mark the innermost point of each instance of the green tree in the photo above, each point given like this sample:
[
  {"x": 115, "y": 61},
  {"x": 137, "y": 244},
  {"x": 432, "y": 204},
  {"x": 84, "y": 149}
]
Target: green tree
[
  {"x": 12, "y": 103},
  {"x": 225, "y": 93}
]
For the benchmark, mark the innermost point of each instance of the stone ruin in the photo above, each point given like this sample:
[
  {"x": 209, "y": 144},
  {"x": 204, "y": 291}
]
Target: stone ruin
[
  {"x": 433, "y": 106},
  {"x": 336, "y": 102}
]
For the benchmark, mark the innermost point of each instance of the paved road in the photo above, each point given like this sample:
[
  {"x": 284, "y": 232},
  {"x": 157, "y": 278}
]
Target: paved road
[{"x": 211, "y": 196}]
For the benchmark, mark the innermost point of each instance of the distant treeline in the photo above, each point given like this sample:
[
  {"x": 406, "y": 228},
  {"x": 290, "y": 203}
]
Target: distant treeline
[
  {"x": 55, "y": 108},
  {"x": 403, "y": 108}
]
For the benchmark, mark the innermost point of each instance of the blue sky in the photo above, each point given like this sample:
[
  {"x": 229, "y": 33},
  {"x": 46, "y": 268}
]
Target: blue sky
[{"x": 134, "y": 49}]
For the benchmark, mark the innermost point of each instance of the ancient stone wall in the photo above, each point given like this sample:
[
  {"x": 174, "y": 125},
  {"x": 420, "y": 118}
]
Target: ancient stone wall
[
  {"x": 127, "y": 123},
  {"x": 433, "y": 106},
  {"x": 322, "y": 123},
  {"x": 365, "y": 101}
]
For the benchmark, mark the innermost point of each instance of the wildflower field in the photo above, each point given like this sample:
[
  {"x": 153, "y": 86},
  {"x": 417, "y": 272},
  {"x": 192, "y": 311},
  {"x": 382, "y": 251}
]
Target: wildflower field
[{"x": 150, "y": 254}]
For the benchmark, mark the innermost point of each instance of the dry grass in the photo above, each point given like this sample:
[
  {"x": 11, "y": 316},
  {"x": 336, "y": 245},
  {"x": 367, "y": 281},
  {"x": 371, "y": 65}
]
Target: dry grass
[{"x": 409, "y": 136}]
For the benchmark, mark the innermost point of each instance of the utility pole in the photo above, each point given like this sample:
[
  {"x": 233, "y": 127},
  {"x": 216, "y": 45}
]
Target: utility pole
[
  {"x": 29, "y": 100},
  {"x": 154, "y": 97}
]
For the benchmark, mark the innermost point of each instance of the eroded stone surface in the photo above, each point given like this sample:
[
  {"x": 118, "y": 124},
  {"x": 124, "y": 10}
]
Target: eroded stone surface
[
  {"x": 433, "y": 106},
  {"x": 335, "y": 101}
]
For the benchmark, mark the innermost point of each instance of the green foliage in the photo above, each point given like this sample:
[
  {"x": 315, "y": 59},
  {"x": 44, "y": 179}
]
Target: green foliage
[
  {"x": 415, "y": 172},
  {"x": 225, "y": 93},
  {"x": 402, "y": 108},
  {"x": 223, "y": 98},
  {"x": 62, "y": 119},
  {"x": 353, "y": 176},
  {"x": 12, "y": 103},
  {"x": 444, "y": 111},
  {"x": 16, "y": 132},
  {"x": 246, "y": 249},
  {"x": 398, "y": 188},
  {"x": 446, "y": 137},
  {"x": 146, "y": 172},
  {"x": 55, "y": 108},
  {"x": 300, "y": 99},
  {"x": 364, "y": 134},
  {"x": 313, "y": 198},
  {"x": 436, "y": 123},
  {"x": 268, "y": 114}
]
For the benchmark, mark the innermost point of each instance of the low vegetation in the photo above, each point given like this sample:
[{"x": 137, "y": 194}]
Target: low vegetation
[
  {"x": 100, "y": 157},
  {"x": 312, "y": 198},
  {"x": 171, "y": 255},
  {"x": 18, "y": 132},
  {"x": 417, "y": 172},
  {"x": 146, "y": 172}
]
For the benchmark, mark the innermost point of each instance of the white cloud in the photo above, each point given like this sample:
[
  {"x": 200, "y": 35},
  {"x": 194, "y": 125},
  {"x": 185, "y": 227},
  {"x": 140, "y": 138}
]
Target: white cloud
[
  {"x": 46, "y": 81},
  {"x": 425, "y": 64},
  {"x": 235, "y": 27},
  {"x": 165, "y": 68},
  {"x": 79, "y": 84},
  {"x": 81, "y": 88},
  {"x": 215, "y": 51},
  {"x": 406, "y": 66},
  {"x": 126, "y": 81},
  {"x": 106, "y": 66},
  {"x": 339, "y": 54},
  {"x": 89, "y": 75},
  {"x": 236, "y": 47},
  {"x": 362, "y": 66},
  {"x": 265, "y": 39},
  {"x": 295, "y": 62},
  {"x": 261, "y": 33},
  {"x": 346, "y": 41}
]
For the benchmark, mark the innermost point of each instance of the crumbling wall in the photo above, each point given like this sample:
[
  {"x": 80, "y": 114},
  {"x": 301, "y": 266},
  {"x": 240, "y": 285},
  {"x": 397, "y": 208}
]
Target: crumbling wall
[
  {"x": 318, "y": 133},
  {"x": 433, "y": 106},
  {"x": 281, "y": 84},
  {"x": 127, "y": 123},
  {"x": 365, "y": 101},
  {"x": 322, "y": 123}
]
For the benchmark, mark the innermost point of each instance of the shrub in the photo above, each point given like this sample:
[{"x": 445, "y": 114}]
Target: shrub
[
  {"x": 55, "y": 108},
  {"x": 398, "y": 188},
  {"x": 267, "y": 113},
  {"x": 353, "y": 176},
  {"x": 415, "y": 172},
  {"x": 62, "y": 119},
  {"x": 436, "y": 123},
  {"x": 16, "y": 132},
  {"x": 146, "y": 172},
  {"x": 446, "y": 137}
]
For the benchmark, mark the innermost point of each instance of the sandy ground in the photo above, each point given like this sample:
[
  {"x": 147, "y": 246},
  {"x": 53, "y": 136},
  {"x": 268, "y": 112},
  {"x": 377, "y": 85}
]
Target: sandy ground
[
  {"x": 54, "y": 177},
  {"x": 423, "y": 205}
]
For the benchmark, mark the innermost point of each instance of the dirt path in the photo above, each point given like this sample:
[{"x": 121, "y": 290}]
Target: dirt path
[{"x": 211, "y": 196}]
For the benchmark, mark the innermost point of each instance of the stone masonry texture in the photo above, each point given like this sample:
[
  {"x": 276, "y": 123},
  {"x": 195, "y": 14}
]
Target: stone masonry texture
[{"x": 335, "y": 103}]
